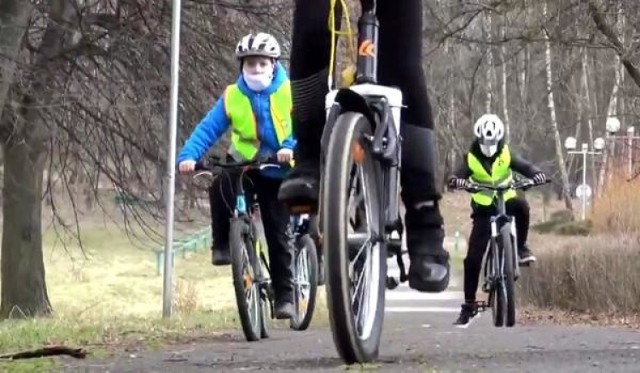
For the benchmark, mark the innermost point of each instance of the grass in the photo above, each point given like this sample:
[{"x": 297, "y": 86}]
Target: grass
[{"x": 110, "y": 296}]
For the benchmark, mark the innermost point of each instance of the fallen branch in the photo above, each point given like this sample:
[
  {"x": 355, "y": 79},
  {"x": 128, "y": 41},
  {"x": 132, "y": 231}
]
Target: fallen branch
[{"x": 78, "y": 353}]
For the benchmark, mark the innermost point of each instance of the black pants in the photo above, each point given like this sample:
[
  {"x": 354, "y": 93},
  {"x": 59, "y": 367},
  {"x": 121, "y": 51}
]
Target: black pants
[
  {"x": 275, "y": 218},
  {"x": 399, "y": 63},
  {"x": 480, "y": 235}
]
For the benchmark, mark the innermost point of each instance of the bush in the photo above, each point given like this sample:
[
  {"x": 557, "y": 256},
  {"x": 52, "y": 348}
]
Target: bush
[
  {"x": 590, "y": 275},
  {"x": 617, "y": 209},
  {"x": 561, "y": 223}
]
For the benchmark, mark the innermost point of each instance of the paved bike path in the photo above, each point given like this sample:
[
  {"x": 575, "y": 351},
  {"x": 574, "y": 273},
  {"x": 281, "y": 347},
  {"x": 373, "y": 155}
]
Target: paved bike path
[{"x": 418, "y": 337}]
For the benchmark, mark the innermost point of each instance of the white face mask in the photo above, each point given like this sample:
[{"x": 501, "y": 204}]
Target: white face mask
[
  {"x": 489, "y": 150},
  {"x": 258, "y": 82}
]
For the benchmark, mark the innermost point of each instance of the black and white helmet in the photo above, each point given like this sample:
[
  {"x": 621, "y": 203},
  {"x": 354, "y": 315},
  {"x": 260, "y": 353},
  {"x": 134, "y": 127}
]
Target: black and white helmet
[
  {"x": 489, "y": 130},
  {"x": 260, "y": 44}
]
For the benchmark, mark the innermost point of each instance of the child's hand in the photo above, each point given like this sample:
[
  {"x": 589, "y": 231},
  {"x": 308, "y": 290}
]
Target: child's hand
[
  {"x": 187, "y": 166},
  {"x": 285, "y": 155}
]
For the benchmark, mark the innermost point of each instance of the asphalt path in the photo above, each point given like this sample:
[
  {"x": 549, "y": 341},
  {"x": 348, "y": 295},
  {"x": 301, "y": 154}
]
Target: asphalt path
[{"x": 419, "y": 336}]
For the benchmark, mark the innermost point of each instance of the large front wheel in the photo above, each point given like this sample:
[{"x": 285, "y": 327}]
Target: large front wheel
[{"x": 355, "y": 256}]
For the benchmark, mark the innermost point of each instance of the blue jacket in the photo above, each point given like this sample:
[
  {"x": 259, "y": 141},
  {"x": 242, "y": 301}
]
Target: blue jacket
[{"x": 216, "y": 123}]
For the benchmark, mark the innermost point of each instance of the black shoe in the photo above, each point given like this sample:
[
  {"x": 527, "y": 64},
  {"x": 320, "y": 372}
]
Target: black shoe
[
  {"x": 429, "y": 266},
  {"x": 220, "y": 256},
  {"x": 284, "y": 310},
  {"x": 428, "y": 273},
  {"x": 468, "y": 312},
  {"x": 301, "y": 188},
  {"x": 525, "y": 256}
]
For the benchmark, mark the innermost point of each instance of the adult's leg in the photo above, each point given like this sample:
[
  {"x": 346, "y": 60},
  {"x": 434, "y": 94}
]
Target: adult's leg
[
  {"x": 400, "y": 64},
  {"x": 310, "y": 54}
]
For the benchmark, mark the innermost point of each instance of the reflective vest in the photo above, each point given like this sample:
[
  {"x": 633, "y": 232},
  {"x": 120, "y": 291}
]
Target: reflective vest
[
  {"x": 500, "y": 175},
  {"x": 245, "y": 139}
]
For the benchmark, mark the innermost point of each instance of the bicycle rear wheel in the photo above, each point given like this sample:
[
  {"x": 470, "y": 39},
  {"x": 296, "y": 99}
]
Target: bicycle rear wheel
[
  {"x": 508, "y": 279},
  {"x": 245, "y": 284},
  {"x": 305, "y": 275},
  {"x": 352, "y": 244}
]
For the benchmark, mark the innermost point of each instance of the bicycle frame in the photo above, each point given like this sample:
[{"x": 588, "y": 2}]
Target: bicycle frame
[
  {"x": 381, "y": 105},
  {"x": 498, "y": 221}
]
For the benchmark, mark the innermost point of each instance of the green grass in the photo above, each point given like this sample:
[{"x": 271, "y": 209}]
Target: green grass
[{"x": 110, "y": 296}]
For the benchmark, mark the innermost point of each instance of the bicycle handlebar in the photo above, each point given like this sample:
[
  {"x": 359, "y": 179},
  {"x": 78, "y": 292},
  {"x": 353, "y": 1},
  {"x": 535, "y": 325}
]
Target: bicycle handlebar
[
  {"x": 261, "y": 163},
  {"x": 521, "y": 184}
]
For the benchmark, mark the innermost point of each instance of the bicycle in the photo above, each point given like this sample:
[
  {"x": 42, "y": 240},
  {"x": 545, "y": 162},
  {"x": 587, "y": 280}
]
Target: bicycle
[
  {"x": 249, "y": 256},
  {"x": 305, "y": 272},
  {"x": 360, "y": 164},
  {"x": 501, "y": 268}
]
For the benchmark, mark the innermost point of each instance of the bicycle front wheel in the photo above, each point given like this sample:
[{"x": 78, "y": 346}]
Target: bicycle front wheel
[
  {"x": 496, "y": 291},
  {"x": 508, "y": 280},
  {"x": 245, "y": 280},
  {"x": 355, "y": 256}
]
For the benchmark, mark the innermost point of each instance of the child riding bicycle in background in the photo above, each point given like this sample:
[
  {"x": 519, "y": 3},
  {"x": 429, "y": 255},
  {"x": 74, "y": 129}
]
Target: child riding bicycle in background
[
  {"x": 258, "y": 109},
  {"x": 490, "y": 160}
]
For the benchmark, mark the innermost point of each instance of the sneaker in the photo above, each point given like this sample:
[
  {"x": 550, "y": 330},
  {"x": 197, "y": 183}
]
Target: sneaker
[
  {"x": 221, "y": 256},
  {"x": 284, "y": 310},
  {"x": 525, "y": 256},
  {"x": 468, "y": 312}
]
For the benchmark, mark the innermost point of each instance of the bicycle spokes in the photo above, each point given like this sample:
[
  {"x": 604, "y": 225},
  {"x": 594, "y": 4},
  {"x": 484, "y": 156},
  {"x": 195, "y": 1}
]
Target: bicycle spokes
[{"x": 363, "y": 267}]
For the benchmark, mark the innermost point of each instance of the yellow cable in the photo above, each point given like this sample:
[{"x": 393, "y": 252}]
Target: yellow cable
[{"x": 334, "y": 32}]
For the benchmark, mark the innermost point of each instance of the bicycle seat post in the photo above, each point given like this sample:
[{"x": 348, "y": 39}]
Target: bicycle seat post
[{"x": 367, "y": 63}]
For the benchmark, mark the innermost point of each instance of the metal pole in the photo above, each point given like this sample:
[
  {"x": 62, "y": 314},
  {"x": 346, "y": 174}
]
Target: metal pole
[
  {"x": 167, "y": 290},
  {"x": 584, "y": 181},
  {"x": 629, "y": 151}
]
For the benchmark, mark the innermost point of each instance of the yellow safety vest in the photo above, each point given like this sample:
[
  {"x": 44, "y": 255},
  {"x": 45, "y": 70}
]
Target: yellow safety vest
[
  {"x": 500, "y": 174},
  {"x": 244, "y": 136}
]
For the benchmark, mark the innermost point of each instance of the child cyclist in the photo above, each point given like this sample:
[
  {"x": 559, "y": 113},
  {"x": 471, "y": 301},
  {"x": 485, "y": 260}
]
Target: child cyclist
[
  {"x": 490, "y": 160},
  {"x": 257, "y": 107}
]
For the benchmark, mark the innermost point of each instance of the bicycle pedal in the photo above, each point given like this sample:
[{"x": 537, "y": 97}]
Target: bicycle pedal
[{"x": 481, "y": 306}]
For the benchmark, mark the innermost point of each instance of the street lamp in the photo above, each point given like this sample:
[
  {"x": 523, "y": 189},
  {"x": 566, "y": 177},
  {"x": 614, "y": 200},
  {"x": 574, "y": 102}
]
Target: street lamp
[
  {"x": 571, "y": 143},
  {"x": 613, "y": 126}
]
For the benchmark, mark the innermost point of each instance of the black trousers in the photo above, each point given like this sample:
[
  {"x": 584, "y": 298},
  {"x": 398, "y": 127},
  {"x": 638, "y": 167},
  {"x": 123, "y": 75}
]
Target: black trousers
[
  {"x": 480, "y": 235},
  {"x": 275, "y": 218},
  {"x": 399, "y": 62}
]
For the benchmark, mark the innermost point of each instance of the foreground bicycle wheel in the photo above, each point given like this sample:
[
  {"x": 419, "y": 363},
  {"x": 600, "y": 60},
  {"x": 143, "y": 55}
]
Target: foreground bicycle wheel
[
  {"x": 245, "y": 284},
  {"x": 305, "y": 284},
  {"x": 356, "y": 259}
]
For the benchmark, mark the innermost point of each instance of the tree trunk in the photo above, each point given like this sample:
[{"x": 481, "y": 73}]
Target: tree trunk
[
  {"x": 505, "y": 101},
  {"x": 489, "y": 76},
  {"x": 24, "y": 291},
  {"x": 566, "y": 192},
  {"x": 14, "y": 17}
]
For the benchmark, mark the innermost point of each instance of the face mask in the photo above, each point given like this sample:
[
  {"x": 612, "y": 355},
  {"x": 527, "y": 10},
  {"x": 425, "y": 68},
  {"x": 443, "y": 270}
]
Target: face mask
[
  {"x": 257, "y": 82},
  {"x": 489, "y": 150}
]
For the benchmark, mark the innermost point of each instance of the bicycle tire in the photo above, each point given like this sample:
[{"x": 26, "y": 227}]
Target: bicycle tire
[
  {"x": 305, "y": 246},
  {"x": 496, "y": 294},
  {"x": 265, "y": 276},
  {"x": 352, "y": 348},
  {"x": 510, "y": 301},
  {"x": 240, "y": 242}
]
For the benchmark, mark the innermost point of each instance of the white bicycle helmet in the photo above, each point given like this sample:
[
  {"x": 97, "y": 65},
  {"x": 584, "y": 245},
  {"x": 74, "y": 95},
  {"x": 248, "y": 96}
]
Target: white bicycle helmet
[
  {"x": 260, "y": 44},
  {"x": 489, "y": 130}
]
